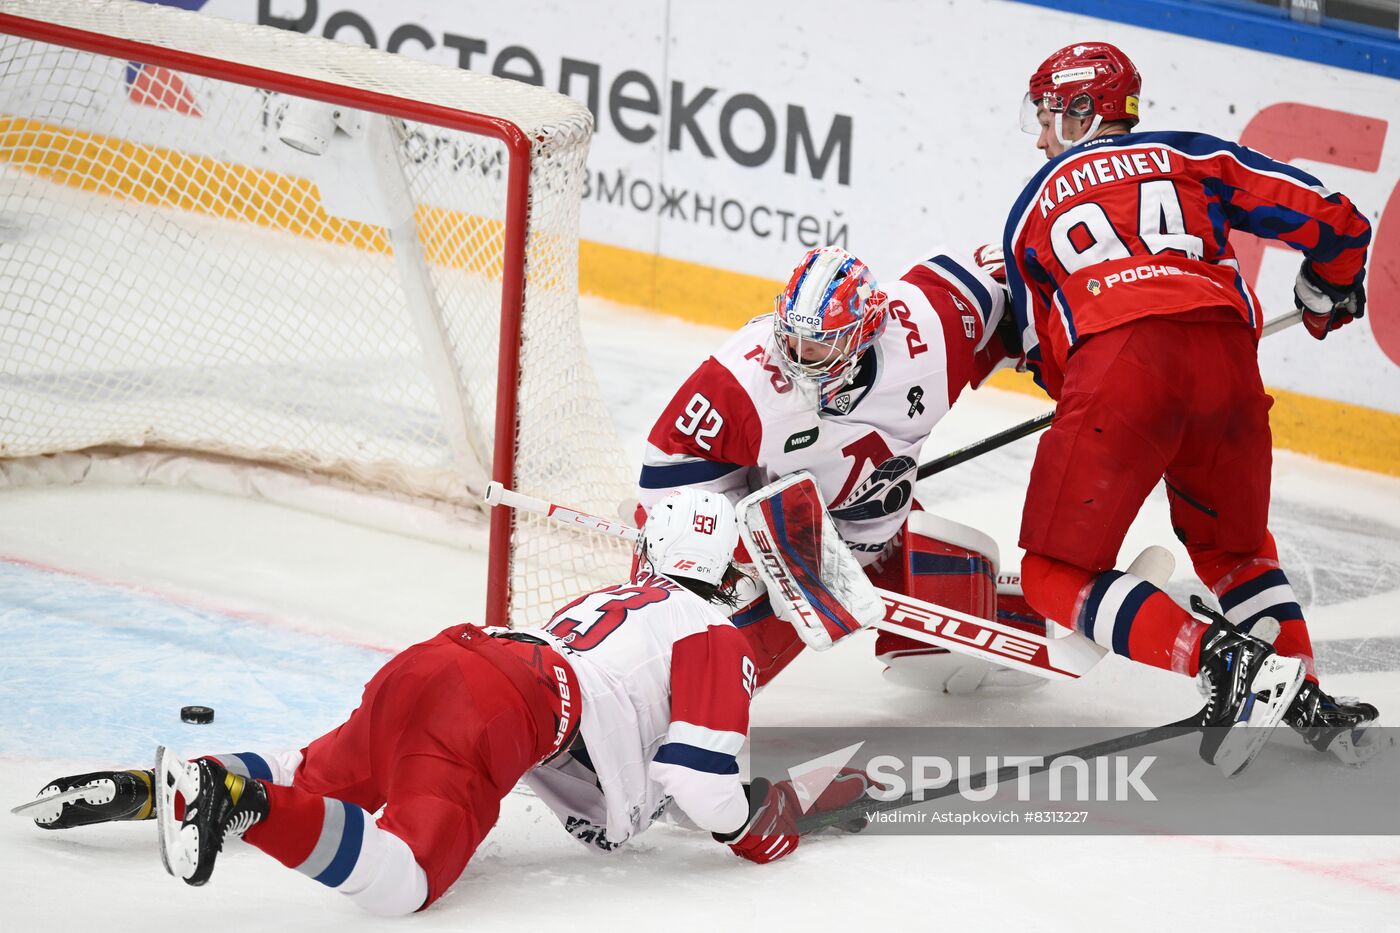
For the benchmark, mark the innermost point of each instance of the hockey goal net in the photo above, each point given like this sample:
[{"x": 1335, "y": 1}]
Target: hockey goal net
[{"x": 302, "y": 260}]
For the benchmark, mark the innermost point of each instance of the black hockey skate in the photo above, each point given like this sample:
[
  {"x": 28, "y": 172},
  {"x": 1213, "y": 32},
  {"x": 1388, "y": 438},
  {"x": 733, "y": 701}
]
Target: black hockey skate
[
  {"x": 1334, "y": 724},
  {"x": 96, "y": 797},
  {"x": 218, "y": 805},
  {"x": 1248, "y": 689}
]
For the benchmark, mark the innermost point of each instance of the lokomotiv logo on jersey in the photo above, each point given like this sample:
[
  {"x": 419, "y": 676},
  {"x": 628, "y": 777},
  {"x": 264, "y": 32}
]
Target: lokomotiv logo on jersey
[{"x": 885, "y": 491}]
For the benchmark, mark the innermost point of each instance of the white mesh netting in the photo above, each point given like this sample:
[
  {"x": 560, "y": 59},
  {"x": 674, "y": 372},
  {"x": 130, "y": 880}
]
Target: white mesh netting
[{"x": 173, "y": 276}]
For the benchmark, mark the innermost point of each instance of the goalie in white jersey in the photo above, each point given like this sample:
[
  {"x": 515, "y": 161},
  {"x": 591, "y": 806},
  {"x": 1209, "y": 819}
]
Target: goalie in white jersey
[
  {"x": 633, "y": 697},
  {"x": 845, "y": 380}
]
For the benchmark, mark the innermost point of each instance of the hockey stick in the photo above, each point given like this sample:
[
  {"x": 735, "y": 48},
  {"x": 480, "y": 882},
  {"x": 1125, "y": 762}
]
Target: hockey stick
[
  {"x": 1000, "y": 439},
  {"x": 861, "y": 810},
  {"x": 1041, "y": 422},
  {"x": 960, "y": 632},
  {"x": 496, "y": 494}
]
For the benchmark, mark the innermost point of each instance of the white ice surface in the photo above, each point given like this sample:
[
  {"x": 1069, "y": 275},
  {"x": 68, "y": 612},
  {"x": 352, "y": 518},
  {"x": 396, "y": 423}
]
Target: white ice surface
[{"x": 117, "y": 605}]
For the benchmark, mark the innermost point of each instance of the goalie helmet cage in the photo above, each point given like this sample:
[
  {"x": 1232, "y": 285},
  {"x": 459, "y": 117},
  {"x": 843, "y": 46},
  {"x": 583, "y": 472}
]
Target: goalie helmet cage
[{"x": 233, "y": 250}]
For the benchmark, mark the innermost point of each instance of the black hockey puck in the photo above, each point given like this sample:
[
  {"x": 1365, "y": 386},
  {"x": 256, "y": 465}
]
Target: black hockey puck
[{"x": 197, "y": 714}]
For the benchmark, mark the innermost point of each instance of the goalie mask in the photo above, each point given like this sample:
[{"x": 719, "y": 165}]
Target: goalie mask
[
  {"x": 1090, "y": 79},
  {"x": 831, "y": 312},
  {"x": 691, "y": 534}
]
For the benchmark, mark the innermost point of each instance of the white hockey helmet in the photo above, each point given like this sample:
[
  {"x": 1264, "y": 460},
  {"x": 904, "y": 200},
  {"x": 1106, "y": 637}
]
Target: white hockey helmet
[{"x": 692, "y": 534}]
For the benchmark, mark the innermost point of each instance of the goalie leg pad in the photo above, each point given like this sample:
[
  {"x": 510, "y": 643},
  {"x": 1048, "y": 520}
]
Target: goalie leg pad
[
  {"x": 940, "y": 561},
  {"x": 891, "y": 572},
  {"x": 952, "y": 565},
  {"x": 942, "y": 570},
  {"x": 1013, "y": 609},
  {"x": 813, "y": 580}
]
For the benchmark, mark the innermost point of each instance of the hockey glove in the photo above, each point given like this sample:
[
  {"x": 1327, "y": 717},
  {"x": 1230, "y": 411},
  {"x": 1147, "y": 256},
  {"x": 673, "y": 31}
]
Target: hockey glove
[
  {"x": 771, "y": 829},
  {"x": 1326, "y": 306},
  {"x": 992, "y": 260},
  {"x": 1004, "y": 347},
  {"x": 1002, "y": 350}
]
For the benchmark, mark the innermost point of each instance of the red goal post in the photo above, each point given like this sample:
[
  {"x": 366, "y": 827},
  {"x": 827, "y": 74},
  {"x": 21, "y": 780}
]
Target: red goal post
[{"x": 188, "y": 288}]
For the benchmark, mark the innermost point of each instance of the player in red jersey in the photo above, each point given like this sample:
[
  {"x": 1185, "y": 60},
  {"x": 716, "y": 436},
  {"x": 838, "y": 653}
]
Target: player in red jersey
[
  {"x": 634, "y": 697},
  {"x": 1135, "y": 318}
]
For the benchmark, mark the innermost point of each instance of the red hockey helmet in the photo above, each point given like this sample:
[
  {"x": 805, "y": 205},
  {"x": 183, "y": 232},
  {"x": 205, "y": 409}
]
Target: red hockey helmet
[{"x": 1082, "y": 80}]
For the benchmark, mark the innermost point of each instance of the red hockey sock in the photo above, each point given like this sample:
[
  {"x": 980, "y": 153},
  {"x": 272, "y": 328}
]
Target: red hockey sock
[
  {"x": 1125, "y": 614},
  {"x": 1294, "y": 642},
  {"x": 292, "y": 826},
  {"x": 1165, "y": 635},
  {"x": 1252, "y": 586}
]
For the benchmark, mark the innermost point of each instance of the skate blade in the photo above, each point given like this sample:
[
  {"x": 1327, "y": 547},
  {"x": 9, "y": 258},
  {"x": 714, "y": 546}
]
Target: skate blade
[
  {"x": 1283, "y": 678},
  {"x": 1358, "y": 746},
  {"x": 51, "y": 800},
  {"x": 171, "y": 776}
]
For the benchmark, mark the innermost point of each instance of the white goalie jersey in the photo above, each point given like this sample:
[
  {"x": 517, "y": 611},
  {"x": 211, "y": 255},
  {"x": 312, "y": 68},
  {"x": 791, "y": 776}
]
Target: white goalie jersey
[
  {"x": 738, "y": 423},
  {"x": 666, "y": 682}
]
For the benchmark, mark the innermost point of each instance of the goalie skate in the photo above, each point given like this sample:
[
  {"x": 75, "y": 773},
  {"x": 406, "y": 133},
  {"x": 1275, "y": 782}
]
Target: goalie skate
[{"x": 218, "y": 805}]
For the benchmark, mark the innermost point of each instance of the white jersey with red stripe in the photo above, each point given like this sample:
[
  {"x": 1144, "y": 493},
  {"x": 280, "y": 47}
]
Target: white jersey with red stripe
[
  {"x": 738, "y": 423},
  {"x": 666, "y": 682}
]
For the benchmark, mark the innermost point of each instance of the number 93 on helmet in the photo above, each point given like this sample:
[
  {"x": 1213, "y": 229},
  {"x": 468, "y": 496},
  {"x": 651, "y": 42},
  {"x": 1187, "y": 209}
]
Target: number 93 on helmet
[{"x": 690, "y": 534}]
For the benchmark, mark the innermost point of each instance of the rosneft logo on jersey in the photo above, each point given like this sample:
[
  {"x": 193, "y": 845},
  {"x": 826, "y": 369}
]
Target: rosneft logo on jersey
[{"x": 1093, "y": 286}]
